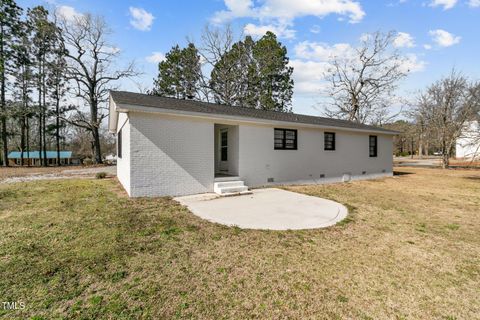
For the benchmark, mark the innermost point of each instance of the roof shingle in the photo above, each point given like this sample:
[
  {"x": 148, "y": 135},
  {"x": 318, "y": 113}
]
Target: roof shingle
[{"x": 130, "y": 98}]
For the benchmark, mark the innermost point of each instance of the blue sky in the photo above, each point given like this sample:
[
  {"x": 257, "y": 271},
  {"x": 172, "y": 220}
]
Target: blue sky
[{"x": 435, "y": 35}]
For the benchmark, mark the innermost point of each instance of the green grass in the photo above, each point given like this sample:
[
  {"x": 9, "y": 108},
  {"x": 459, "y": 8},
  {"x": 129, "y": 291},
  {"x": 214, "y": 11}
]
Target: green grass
[{"x": 80, "y": 249}]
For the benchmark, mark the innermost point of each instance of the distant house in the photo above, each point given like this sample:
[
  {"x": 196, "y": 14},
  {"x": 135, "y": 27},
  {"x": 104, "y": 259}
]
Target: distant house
[
  {"x": 32, "y": 158},
  {"x": 172, "y": 147},
  {"x": 468, "y": 145}
]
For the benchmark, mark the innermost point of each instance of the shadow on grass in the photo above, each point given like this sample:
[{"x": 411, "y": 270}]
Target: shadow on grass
[
  {"x": 472, "y": 178},
  {"x": 402, "y": 173}
]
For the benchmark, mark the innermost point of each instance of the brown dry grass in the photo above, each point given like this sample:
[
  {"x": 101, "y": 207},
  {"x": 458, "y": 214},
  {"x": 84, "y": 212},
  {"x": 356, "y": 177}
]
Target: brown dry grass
[{"x": 410, "y": 249}]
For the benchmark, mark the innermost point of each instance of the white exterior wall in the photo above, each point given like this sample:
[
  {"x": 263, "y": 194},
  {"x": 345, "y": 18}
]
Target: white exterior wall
[
  {"x": 170, "y": 155},
  {"x": 175, "y": 155},
  {"x": 468, "y": 145},
  {"x": 123, "y": 163},
  {"x": 259, "y": 161}
]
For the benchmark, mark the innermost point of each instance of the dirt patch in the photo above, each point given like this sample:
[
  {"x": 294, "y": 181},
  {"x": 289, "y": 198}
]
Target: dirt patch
[{"x": 23, "y": 174}]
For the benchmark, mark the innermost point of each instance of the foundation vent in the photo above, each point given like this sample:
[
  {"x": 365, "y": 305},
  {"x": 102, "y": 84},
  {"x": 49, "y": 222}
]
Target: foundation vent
[
  {"x": 270, "y": 180},
  {"x": 364, "y": 172},
  {"x": 322, "y": 175}
]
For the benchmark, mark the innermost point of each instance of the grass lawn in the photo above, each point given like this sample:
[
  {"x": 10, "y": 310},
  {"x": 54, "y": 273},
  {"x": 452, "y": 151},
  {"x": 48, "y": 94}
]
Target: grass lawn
[{"x": 410, "y": 249}]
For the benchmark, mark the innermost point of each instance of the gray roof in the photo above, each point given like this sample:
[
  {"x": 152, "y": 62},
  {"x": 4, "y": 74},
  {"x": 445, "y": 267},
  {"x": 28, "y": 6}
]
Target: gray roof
[{"x": 130, "y": 98}]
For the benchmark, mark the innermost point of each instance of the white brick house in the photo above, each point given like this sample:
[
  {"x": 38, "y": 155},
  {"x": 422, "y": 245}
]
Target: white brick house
[{"x": 178, "y": 147}]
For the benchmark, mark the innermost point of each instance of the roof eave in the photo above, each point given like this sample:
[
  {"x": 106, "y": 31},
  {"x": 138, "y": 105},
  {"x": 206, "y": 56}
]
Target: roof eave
[{"x": 122, "y": 107}]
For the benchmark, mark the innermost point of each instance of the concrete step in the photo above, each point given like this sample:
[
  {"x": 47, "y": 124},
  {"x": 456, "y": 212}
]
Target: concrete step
[
  {"x": 224, "y": 179},
  {"x": 229, "y": 187},
  {"x": 228, "y": 184},
  {"x": 233, "y": 189}
]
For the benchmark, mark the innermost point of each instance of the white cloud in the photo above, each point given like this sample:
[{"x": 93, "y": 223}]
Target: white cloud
[
  {"x": 308, "y": 75},
  {"x": 312, "y": 63},
  {"x": 283, "y": 12},
  {"x": 315, "y": 29},
  {"x": 141, "y": 19},
  {"x": 67, "y": 12},
  {"x": 403, "y": 40},
  {"x": 365, "y": 37},
  {"x": 444, "y": 38},
  {"x": 446, "y": 4},
  {"x": 321, "y": 51},
  {"x": 411, "y": 63},
  {"x": 474, "y": 3},
  {"x": 427, "y": 46},
  {"x": 155, "y": 57},
  {"x": 112, "y": 50},
  {"x": 282, "y": 31}
]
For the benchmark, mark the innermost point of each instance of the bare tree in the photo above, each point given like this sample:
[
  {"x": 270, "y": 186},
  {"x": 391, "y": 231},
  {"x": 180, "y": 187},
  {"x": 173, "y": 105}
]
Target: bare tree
[
  {"x": 446, "y": 107},
  {"x": 90, "y": 59},
  {"x": 362, "y": 85},
  {"x": 214, "y": 44}
]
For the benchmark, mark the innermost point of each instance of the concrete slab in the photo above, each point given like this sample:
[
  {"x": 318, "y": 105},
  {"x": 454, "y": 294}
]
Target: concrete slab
[{"x": 267, "y": 209}]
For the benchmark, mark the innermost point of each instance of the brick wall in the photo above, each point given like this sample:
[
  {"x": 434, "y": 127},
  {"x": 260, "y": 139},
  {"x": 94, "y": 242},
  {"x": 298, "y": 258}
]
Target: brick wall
[{"x": 170, "y": 155}]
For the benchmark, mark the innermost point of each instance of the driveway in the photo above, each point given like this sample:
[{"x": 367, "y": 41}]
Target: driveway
[
  {"x": 267, "y": 209},
  {"x": 425, "y": 163}
]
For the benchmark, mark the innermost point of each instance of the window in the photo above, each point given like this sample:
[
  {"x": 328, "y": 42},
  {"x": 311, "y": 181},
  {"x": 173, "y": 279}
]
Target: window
[
  {"x": 373, "y": 146},
  {"x": 285, "y": 139},
  {"x": 224, "y": 145},
  {"x": 119, "y": 144},
  {"x": 329, "y": 140}
]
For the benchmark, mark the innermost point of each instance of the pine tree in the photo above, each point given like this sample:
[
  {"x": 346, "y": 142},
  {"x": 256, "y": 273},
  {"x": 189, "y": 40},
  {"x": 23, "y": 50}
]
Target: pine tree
[
  {"x": 45, "y": 35},
  {"x": 57, "y": 81},
  {"x": 179, "y": 74},
  {"x": 254, "y": 74},
  {"x": 23, "y": 84},
  {"x": 190, "y": 64},
  {"x": 9, "y": 28},
  {"x": 275, "y": 76}
]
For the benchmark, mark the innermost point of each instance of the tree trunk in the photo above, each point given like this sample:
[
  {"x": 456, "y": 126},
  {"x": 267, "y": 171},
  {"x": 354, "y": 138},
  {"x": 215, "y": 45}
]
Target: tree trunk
[
  {"x": 4, "y": 108},
  {"x": 22, "y": 139},
  {"x": 40, "y": 125},
  {"x": 95, "y": 134},
  {"x": 45, "y": 159},
  {"x": 445, "y": 161},
  {"x": 57, "y": 132},
  {"x": 445, "y": 154},
  {"x": 28, "y": 140},
  {"x": 412, "y": 149},
  {"x": 96, "y": 145},
  {"x": 420, "y": 148},
  {"x": 44, "y": 115}
]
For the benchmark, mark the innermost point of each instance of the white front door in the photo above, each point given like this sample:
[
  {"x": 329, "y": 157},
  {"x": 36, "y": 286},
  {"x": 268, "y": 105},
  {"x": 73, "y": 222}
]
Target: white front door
[{"x": 223, "y": 151}]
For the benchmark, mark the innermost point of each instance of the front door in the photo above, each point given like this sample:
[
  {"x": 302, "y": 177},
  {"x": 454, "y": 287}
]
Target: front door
[{"x": 223, "y": 163}]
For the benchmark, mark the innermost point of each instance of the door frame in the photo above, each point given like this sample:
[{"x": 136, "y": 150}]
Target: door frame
[{"x": 222, "y": 164}]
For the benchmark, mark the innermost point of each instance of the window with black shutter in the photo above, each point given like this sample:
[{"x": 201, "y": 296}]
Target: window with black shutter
[
  {"x": 373, "y": 146},
  {"x": 119, "y": 144},
  {"x": 285, "y": 139},
  {"x": 329, "y": 140}
]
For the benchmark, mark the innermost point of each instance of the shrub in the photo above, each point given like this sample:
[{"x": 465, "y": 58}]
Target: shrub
[{"x": 101, "y": 175}]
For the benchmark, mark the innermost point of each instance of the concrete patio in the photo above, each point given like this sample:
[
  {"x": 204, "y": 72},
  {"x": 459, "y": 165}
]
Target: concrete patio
[{"x": 267, "y": 209}]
